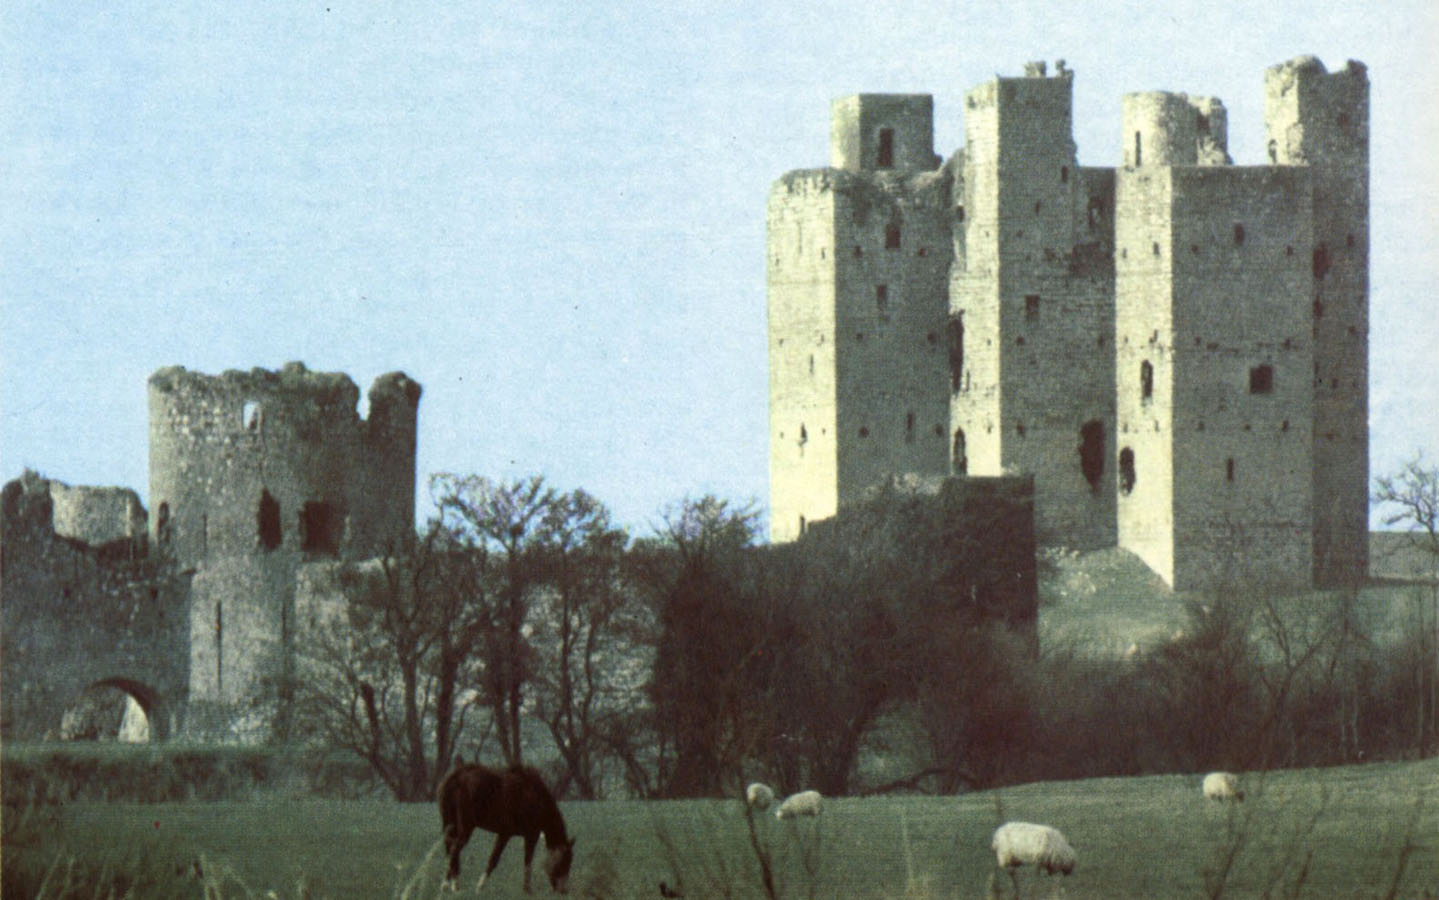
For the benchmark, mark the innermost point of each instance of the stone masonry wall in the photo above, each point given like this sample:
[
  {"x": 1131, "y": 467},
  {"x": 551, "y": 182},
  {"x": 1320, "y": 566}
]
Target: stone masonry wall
[
  {"x": 80, "y": 615},
  {"x": 253, "y": 474}
]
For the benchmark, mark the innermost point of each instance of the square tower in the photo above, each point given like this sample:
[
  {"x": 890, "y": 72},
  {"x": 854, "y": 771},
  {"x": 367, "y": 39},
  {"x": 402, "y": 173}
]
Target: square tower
[
  {"x": 1213, "y": 362},
  {"x": 858, "y": 258},
  {"x": 1320, "y": 120},
  {"x": 1032, "y": 308}
]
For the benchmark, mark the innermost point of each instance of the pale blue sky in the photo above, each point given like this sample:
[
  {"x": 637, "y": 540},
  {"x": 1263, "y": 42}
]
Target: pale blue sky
[{"x": 552, "y": 215}]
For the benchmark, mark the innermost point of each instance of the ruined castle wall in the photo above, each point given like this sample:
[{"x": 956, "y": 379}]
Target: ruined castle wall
[
  {"x": 251, "y": 475},
  {"x": 1144, "y": 370},
  {"x": 858, "y": 124},
  {"x": 1221, "y": 446},
  {"x": 96, "y": 515},
  {"x": 77, "y": 615},
  {"x": 1168, "y": 129},
  {"x": 1319, "y": 119},
  {"x": 803, "y": 441},
  {"x": 1037, "y": 299},
  {"x": 891, "y": 303}
]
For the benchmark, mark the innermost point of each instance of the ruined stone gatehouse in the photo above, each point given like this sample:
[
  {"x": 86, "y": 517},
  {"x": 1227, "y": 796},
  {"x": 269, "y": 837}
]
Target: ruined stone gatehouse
[
  {"x": 1175, "y": 349},
  {"x": 190, "y": 610}
]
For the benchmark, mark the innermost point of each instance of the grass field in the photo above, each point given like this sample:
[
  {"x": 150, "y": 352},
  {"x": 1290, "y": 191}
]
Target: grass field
[{"x": 1317, "y": 833}]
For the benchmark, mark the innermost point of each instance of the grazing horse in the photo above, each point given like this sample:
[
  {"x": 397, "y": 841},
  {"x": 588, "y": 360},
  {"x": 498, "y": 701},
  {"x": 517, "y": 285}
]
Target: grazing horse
[{"x": 511, "y": 802}]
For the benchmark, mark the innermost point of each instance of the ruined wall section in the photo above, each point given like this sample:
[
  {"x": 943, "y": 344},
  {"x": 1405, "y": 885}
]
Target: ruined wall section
[
  {"x": 891, "y": 304},
  {"x": 77, "y": 613},
  {"x": 1037, "y": 290},
  {"x": 801, "y": 309},
  {"x": 1319, "y": 119},
  {"x": 1168, "y": 129},
  {"x": 877, "y": 132},
  {"x": 1215, "y": 402},
  {"x": 251, "y": 475},
  {"x": 1242, "y": 401},
  {"x": 1144, "y": 370}
]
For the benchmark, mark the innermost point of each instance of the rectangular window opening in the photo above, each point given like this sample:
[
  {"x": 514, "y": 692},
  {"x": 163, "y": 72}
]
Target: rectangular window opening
[
  {"x": 1031, "y": 307},
  {"x": 1261, "y": 380},
  {"x": 885, "y": 158},
  {"x": 321, "y": 526}
]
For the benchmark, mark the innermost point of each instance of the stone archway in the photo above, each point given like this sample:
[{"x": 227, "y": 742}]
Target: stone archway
[{"x": 115, "y": 709}]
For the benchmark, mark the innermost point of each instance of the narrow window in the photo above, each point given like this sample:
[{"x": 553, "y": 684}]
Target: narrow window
[
  {"x": 162, "y": 525},
  {"x": 881, "y": 298},
  {"x": 811, "y": 364},
  {"x": 959, "y": 214},
  {"x": 267, "y": 520},
  {"x": 1138, "y": 149},
  {"x": 1091, "y": 453},
  {"x": 1063, "y": 174},
  {"x": 886, "y": 149},
  {"x": 1146, "y": 380},
  {"x": 961, "y": 460},
  {"x": 250, "y": 415},
  {"x": 803, "y": 435},
  {"x": 1238, "y": 234},
  {"x": 956, "y": 349},
  {"x": 1229, "y": 469},
  {"x": 1126, "y": 470},
  {"x": 1155, "y": 247},
  {"x": 1321, "y": 260},
  {"x": 1031, "y": 307},
  {"x": 891, "y": 236},
  {"x": 1261, "y": 380},
  {"x": 909, "y": 428},
  {"x": 320, "y": 527},
  {"x": 801, "y": 524},
  {"x": 1274, "y": 151}
]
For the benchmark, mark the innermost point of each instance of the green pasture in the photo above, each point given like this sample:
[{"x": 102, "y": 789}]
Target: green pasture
[{"x": 1342, "y": 832}]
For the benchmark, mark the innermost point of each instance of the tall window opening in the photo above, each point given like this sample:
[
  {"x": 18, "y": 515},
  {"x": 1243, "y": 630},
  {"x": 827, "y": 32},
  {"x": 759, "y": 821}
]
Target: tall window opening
[
  {"x": 1229, "y": 469},
  {"x": 891, "y": 236},
  {"x": 1031, "y": 307},
  {"x": 886, "y": 149},
  {"x": 267, "y": 520},
  {"x": 250, "y": 416},
  {"x": 909, "y": 428},
  {"x": 961, "y": 460},
  {"x": 1138, "y": 149},
  {"x": 162, "y": 525},
  {"x": 1261, "y": 380},
  {"x": 1146, "y": 380},
  {"x": 1238, "y": 234},
  {"x": 1321, "y": 260},
  {"x": 956, "y": 349},
  {"x": 1126, "y": 470},
  {"x": 881, "y": 299},
  {"x": 1091, "y": 453}
]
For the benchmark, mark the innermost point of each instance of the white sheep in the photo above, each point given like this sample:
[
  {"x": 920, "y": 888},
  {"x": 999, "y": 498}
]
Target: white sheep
[
  {"x": 759, "y": 796},
  {"x": 805, "y": 803},
  {"x": 1222, "y": 786},
  {"x": 1018, "y": 843}
]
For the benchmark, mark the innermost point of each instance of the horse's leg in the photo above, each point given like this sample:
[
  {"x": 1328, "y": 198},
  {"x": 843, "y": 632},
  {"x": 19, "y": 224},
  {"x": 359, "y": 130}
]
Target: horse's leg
[
  {"x": 530, "y": 841},
  {"x": 456, "y": 836},
  {"x": 500, "y": 841}
]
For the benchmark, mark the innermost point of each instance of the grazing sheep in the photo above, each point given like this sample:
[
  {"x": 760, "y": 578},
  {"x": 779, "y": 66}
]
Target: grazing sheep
[
  {"x": 1018, "y": 843},
  {"x": 1222, "y": 786},
  {"x": 759, "y": 796},
  {"x": 805, "y": 803}
]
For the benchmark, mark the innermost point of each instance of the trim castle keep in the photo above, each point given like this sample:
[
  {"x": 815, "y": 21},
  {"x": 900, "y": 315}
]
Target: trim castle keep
[{"x": 1176, "y": 349}]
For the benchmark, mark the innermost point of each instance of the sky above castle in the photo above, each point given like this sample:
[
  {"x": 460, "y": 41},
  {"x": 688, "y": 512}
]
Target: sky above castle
[{"x": 552, "y": 215}]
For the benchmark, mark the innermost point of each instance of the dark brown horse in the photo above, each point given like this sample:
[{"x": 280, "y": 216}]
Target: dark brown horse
[{"x": 511, "y": 802}]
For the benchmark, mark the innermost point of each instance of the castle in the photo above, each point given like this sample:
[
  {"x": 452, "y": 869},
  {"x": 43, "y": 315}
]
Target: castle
[
  {"x": 1175, "y": 349},
  {"x": 256, "y": 478}
]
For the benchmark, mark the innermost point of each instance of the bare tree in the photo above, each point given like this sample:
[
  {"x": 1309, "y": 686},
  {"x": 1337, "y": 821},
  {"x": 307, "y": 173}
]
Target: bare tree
[
  {"x": 385, "y": 649},
  {"x": 1411, "y": 497}
]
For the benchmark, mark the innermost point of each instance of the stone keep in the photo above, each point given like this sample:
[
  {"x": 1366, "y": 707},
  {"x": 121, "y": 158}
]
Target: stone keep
[
  {"x": 252, "y": 476},
  {"x": 1138, "y": 339}
]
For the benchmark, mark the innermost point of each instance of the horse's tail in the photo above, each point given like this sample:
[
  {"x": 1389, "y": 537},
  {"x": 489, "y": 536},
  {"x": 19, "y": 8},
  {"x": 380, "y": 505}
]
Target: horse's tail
[{"x": 449, "y": 802}]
